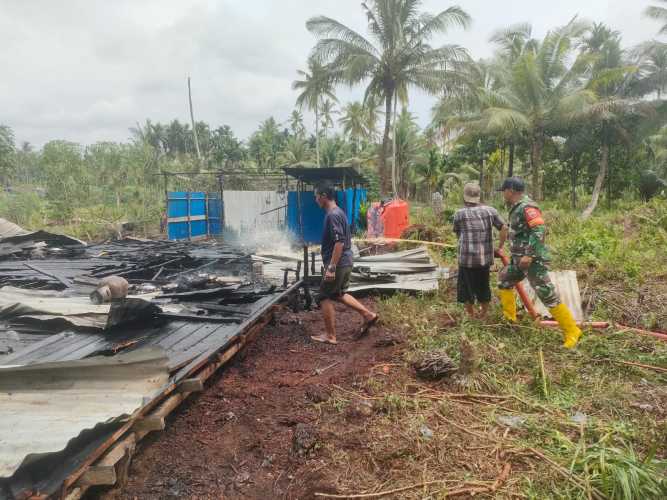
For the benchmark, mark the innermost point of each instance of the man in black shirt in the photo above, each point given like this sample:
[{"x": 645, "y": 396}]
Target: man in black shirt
[{"x": 337, "y": 260}]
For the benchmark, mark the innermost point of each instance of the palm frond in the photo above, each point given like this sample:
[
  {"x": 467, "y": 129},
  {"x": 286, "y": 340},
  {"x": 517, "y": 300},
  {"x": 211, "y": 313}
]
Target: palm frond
[
  {"x": 430, "y": 25},
  {"x": 501, "y": 120},
  {"x": 655, "y": 12},
  {"x": 325, "y": 27}
]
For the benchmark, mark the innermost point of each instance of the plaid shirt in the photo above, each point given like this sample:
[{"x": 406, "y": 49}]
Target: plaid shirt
[{"x": 472, "y": 224}]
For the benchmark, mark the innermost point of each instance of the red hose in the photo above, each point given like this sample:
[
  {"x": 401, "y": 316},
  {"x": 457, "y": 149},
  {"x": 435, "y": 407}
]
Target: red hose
[
  {"x": 601, "y": 325},
  {"x": 591, "y": 324},
  {"x": 661, "y": 336},
  {"x": 519, "y": 288}
]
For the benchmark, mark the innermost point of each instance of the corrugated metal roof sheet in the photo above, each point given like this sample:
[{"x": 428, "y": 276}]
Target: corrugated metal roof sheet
[
  {"x": 567, "y": 288},
  {"x": 8, "y": 229},
  {"x": 43, "y": 407},
  {"x": 181, "y": 340}
]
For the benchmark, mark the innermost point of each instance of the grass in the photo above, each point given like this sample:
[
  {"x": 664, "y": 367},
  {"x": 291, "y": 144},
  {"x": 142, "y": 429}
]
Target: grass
[{"x": 600, "y": 421}]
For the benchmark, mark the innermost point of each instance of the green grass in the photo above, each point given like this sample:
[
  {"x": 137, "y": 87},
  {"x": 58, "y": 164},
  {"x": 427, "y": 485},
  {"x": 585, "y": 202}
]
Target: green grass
[{"x": 621, "y": 449}]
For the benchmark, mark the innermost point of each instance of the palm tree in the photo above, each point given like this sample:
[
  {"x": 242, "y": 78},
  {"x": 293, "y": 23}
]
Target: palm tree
[
  {"x": 327, "y": 109},
  {"x": 651, "y": 60},
  {"x": 658, "y": 13},
  {"x": 409, "y": 149},
  {"x": 611, "y": 111},
  {"x": 353, "y": 122},
  {"x": 314, "y": 87},
  {"x": 531, "y": 89},
  {"x": 399, "y": 56},
  {"x": 295, "y": 152},
  {"x": 372, "y": 114},
  {"x": 295, "y": 122},
  {"x": 430, "y": 173}
]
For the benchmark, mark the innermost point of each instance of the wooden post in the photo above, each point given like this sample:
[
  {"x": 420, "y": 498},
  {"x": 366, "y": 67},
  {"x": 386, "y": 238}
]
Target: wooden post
[
  {"x": 187, "y": 200},
  {"x": 354, "y": 207},
  {"x": 208, "y": 224},
  {"x": 166, "y": 203},
  {"x": 221, "y": 184},
  {"x": 299, "y": 206}
]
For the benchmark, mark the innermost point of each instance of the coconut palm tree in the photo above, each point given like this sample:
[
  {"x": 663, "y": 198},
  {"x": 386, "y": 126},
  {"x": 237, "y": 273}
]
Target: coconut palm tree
[
  {"x": 372, "y": 114},
  {"x": 651, "y": 60},
  {"x": 327, "y": 110},
  {"x": 658, "y": 13},
  {"x": 528, "y": 90},
  {"x": 295, "y": 152},
  {"x": 397, "y": 55},
  {"x": 610, "y": 114},
  {"x": 314, "y": 86},
  {"x": 410, "y": 148},
  {"x": 430, "y": 173},
  {"x": 295, "y": 122},
  {"x": 353, "y": 122}
]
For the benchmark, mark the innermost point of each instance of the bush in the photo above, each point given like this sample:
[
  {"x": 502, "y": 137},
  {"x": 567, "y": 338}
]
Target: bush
[{"x": 27, "y": 209}]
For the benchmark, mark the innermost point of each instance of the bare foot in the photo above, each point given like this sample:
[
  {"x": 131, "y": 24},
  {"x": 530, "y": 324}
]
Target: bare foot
[
  {"x": 324, "y": 339},
  {"x": 367, "y": 325}
]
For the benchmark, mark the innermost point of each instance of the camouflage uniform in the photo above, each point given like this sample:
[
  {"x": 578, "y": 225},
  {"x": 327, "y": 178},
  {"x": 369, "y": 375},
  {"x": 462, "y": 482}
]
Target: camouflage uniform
[{"x": 527, "y": 234}]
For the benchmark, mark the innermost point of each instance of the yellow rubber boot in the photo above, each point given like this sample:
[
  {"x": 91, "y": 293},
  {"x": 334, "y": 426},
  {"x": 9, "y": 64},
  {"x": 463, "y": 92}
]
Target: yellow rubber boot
[
  {"x": 508, "y": 302},
  {"x": 571, "y": 331}
]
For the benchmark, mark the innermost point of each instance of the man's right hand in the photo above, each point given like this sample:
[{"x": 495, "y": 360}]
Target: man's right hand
[{"x": 329, "y": 275}]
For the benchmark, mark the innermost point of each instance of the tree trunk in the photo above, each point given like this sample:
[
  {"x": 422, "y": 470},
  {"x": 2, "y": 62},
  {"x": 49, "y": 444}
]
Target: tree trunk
[
  {"x": 385, "y": 181},
  {"x": 575, "y": 175},
  {"x": 510, "y": 170},
  {"x": 503, "y": 155},
  {"x": 536, "y": 165},
  {"x": 192, "y": 119},
  {"x": 481, "y": 173},
  {"x": 317, "y": 134},
  {"x": 394, "y": 166},
  {"x": 599, "y": 181}
]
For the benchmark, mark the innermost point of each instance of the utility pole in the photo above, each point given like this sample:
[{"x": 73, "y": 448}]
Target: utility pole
[{"x": 192, "y": 119}]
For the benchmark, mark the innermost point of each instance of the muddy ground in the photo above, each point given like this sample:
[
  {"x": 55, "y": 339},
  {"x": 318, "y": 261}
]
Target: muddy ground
[{"x": 257, "y": 431}]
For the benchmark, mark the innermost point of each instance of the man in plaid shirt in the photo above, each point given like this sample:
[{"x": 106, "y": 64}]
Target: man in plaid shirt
[{"x": 473, "y": 225}]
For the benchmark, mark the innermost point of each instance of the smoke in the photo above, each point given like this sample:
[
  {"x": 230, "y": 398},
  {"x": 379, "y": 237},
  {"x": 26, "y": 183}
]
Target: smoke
[{"x": 261, "y": 239}]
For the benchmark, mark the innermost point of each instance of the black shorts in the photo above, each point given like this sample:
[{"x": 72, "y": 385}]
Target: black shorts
[
  {"x": 334, "y": 289},
  {"x": 473, "y": 283}
]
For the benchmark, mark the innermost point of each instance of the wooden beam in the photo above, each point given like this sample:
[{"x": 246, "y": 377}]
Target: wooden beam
[
  {"x": 149, "y": 423},
  {"x": 190, "y": 385},
  {"x": 99, "y": 475}
]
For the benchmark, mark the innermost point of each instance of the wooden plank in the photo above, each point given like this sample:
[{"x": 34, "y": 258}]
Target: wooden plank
[
  {"x": 99, "y": 475},
  {"x": 149, "y": 423},
  {"x": 190, "y": 385}
]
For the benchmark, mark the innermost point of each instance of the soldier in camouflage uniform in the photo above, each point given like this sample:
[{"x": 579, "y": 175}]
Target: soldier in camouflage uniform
[{"x": 530, "y": 258}]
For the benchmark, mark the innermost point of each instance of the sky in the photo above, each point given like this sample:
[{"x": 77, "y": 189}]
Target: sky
[{"x": 88, "y": 70}]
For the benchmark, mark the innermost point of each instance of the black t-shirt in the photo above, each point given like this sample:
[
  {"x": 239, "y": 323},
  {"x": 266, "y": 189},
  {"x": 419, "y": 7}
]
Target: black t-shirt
[{"x": 336, "y": 228}]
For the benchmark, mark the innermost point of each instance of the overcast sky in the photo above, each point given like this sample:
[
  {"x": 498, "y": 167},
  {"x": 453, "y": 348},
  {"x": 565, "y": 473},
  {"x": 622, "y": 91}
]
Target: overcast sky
[{"x": 87, "y": 70}]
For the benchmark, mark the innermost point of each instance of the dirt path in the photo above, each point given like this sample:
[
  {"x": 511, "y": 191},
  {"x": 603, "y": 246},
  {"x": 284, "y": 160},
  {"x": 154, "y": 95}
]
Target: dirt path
[{"x": 236, "y": 439}]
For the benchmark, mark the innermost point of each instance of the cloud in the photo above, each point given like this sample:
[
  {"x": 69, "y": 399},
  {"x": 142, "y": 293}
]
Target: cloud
[{"x": 87, "y": 70}]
